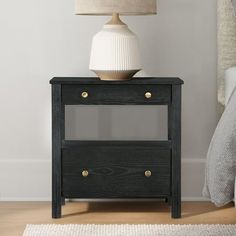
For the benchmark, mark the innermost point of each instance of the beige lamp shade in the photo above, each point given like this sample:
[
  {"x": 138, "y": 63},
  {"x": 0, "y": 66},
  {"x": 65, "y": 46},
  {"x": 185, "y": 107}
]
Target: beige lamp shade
[{"x": 107, "y": 7}]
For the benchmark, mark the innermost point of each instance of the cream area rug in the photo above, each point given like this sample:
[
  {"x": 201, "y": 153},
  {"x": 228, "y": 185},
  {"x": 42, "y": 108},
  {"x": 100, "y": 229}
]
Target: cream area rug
[{"x": 130, "y": 230}]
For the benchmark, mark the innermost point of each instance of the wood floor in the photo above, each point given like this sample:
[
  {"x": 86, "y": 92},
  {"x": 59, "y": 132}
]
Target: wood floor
[{"x": 15, "y": 215}]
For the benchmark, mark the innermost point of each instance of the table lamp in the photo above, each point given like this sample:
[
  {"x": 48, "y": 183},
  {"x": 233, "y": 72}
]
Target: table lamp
[{"x": 115, "y": 51}]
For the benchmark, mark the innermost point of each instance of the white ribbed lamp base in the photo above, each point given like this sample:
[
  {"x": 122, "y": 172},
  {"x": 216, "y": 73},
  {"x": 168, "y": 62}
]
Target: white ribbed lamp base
[
  {"x": 115, "y": 52},
  {"x": 116, "y": 75}
]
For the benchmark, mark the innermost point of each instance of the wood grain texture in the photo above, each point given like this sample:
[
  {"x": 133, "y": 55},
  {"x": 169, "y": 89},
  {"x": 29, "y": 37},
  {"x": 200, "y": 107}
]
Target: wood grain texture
[
  {"x": 175, "y": 134},
  {"x": 97, "y": 81},
  {"x": 117, "y": 143},
  {"x": 116, "y": 171},
  {"x": 57, "y": 136},
  {"x": 116, "y": 94},
  {"x": 116, "y": 168}
]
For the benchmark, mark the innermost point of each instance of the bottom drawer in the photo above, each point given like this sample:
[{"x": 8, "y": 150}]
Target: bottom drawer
[{"x": 115, "y": 172}]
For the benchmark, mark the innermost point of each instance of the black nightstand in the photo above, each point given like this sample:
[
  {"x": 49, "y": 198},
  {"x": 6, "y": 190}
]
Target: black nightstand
[{"x": 116, "y": 169}]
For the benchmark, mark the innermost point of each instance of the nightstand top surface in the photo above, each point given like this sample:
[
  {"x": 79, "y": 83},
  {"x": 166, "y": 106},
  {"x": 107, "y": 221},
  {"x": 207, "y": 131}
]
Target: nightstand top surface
[{"x": 135, "y": 80}]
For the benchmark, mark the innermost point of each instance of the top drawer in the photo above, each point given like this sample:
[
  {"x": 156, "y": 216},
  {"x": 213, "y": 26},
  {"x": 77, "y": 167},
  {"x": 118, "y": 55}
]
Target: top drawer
[{"x": 116, "y": 94}]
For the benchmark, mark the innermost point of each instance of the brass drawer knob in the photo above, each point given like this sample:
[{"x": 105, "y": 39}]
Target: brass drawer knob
[
  {"x": 85, "y": 173},
  {"x": 84, "y": 94},
  {"x": 148, "y": 95},
  {"x": 148, "y": 173}
]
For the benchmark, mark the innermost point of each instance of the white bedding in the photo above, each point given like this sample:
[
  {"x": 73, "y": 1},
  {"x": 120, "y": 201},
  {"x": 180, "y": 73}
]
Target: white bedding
[{"x": 221, "y": 158}]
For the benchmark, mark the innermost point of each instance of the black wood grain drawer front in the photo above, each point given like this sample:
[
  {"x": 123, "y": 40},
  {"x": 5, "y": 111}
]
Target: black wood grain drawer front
[
  {"x": 116, "y": 94},
  {"x": 115, "y": 171}
]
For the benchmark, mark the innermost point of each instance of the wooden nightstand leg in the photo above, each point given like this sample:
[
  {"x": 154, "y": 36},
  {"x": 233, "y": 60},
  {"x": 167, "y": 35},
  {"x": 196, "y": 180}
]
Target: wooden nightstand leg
[
  {"x": 174, "y": 114},
  {"x": 176, "y": 207},
  {"x": 56, "y": 194},
  {"x": 56, "y": 210},
  {"x": 57, "y": 135}
]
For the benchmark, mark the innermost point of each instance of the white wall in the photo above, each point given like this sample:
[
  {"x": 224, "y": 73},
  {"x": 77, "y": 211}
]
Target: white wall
[{"x": 43, "y": 39}]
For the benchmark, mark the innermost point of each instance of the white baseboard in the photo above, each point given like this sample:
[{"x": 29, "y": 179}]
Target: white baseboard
[
  {"x": 195, "y": 199},
  {"x": 30, "y": 180}
]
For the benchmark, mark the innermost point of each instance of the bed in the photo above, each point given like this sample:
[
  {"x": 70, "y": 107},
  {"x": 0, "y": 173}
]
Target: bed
[
  {"x": 220, "y": 183},
  {"x": 221, "y": 157}
]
